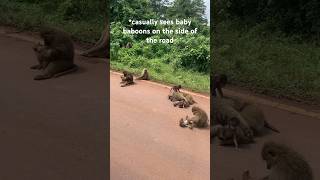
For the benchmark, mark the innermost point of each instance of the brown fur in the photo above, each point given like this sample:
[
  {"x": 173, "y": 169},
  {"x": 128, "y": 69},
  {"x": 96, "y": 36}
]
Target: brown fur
[
  {"x": 144, "y": 75},
  {"x": 284, "y": 163},
  {"x": 199, "y": 119},
  {"x": 127, "y": 79},
  {"x": 59, "y": 53}
]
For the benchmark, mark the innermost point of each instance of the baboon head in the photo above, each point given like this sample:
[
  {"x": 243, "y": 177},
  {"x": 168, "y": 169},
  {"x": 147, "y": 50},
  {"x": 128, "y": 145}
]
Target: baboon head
[
  {"x": 125, "y": 73},
  {"x": 234, "y": 122},
  {"x": 195, "y": 109},
  {"x": 47, "y": 34},
  {"x": 37, "y": 47},
  {"x": 272, "y": 152},
  {"x": 145, "y": 70}
]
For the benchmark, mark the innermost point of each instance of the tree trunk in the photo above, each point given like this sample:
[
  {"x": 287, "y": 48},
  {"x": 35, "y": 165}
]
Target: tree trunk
[{"x": 102, "y": 47}]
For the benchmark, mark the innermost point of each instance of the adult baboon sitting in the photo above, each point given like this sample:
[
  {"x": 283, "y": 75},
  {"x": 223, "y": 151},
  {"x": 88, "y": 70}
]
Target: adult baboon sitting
[{"x": 58, "y": 52}]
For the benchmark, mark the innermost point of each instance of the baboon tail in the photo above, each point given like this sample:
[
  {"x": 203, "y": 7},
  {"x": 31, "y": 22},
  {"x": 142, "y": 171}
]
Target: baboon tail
[
  {"x": 71, "y": 70},
  {"x": 269, "y": 126}
]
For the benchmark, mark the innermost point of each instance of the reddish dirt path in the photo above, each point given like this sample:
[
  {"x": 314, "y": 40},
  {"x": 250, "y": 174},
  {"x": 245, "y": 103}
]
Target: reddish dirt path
[
  {"x": 298, "y": 131},
  {"x": 146, "y": 141},
  {"x": 61, "y": 140}
]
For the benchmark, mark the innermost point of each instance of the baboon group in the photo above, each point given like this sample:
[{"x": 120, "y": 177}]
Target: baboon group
[
  {"x": 180, "y": 99},
  {"x": 236, "y": 122},
  {"x": 184, "y": 100}
]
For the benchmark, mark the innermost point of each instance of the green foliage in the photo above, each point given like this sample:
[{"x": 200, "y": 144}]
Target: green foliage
[
  {"x": 186, "y": 61},
  {"x": 83, "y": 19},
  {"x": 268, "y": 63},
  {"x": 290, "y": 17}
]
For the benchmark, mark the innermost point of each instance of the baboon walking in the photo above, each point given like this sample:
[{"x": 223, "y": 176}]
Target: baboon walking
[{"x": 58, "y": 52}]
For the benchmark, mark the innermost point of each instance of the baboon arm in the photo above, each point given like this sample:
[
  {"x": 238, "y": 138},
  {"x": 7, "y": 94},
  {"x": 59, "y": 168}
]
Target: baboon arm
[{"x": 220, "y": 91}]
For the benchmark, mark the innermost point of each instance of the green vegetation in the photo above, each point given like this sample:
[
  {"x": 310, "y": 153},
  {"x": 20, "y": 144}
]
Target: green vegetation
[
  {"x": 271, "y": 47},
  {"x": 83, "y": 19},
  {"x": 184, "y": 62}
]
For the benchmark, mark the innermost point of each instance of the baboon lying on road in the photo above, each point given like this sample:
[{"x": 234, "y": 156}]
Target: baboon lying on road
[
  {"x": 252, "y": 114},
  {"x": 230, "y": 134},
  {"x": 57, "y": 53},
  {"x": 126, "y": 79},
  {"x": 223, "y": 113},
  {"x": 181, "y": 104},
  {"x": 199, "y": 120},
  {"x": 181, "y": 99}
]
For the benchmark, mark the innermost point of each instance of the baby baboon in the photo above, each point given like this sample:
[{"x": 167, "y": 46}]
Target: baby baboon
[
  {"x": 231, "y": 134},
  {"x": 59, "y": 54},
  {"x": 127, "y": 79},
  {"x": 200, "y": 118},
  {"x": 284, "y": 163},
  {"x": 176, "y": 88},
  {"x": 184, "y": 123},
  {"x": 144, "y": 75},
  {"x": 176, "y": 96},
  {"x": 181, "y": 104},
  {"x": 128, "y": 45}
]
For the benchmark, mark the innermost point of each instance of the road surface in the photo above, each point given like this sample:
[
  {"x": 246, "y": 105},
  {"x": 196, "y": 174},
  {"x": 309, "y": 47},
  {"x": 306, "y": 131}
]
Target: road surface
[
  {"x": 146, "y": 142},
  {"x": 54, "y": 129}
]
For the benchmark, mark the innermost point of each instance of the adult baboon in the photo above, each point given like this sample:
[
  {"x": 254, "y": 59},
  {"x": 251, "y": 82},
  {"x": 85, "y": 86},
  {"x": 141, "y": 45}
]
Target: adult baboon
[
  {"x": 181, "y": 99},
  {"x": 224, "y": 113},
  {"x": 176, "y": 96},
  {"x": 189, "y": 98},
  {"x": 230, "y": 134},
  {"x": 144, "y": 75},
  {"x": 284, "y": 163},
  {"x": 252, "y": 114},
  {"x": 200, "y": 118},
  {"x": 58, "y": 51},
  {"x": 126, "y": 79}
]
